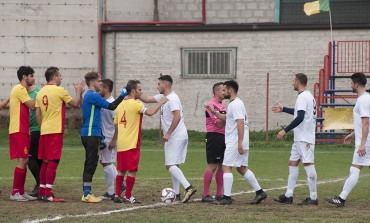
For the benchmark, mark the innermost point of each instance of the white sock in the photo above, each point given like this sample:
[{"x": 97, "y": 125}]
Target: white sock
[
  {"x": 351, "y": 182},
  {"x": 176, "y": 185},
  {"x": 179, "y": 175},
  {"x": 249, "y": 176},
  {"x": 110, "y": 177},
  {"x": 292, "y": 180},
  {"x": 228, "y": 183},
  {"x": 311, "y": 179}
]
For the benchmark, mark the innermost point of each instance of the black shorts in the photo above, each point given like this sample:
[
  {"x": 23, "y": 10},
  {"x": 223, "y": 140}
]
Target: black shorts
[
  {"x": 34, "y": 144},
  {"x": 215, "y": 147}
]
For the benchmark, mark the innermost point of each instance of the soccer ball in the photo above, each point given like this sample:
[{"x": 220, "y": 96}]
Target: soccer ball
[{"x": 168, "y": 195}]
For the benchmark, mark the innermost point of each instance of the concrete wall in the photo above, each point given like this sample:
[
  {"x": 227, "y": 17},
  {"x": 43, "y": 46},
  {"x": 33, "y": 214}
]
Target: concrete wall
[
  {"x": 43, "y": 33},
  {"x": 281, "y": 53}
]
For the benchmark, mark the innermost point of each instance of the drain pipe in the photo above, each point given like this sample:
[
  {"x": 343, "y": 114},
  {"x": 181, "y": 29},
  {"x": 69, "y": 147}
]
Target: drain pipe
[{"x": 101, "y": 24}]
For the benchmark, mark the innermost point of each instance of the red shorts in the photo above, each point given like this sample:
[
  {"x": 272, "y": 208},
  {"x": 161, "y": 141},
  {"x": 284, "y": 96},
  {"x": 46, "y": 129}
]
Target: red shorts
[
  {"x": 19, "y": 145},
  {"x": 50, "y": 146},
  {"x": 128, "y": 160}
]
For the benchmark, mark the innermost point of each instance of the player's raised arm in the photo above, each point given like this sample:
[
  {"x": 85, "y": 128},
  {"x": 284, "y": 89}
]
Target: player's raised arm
[
  {"x": 4, "y": 103},
  {"x": 76, "y": 102},
  {"x": 147, "y": 99},
  {"x": 151, "y": 111}
]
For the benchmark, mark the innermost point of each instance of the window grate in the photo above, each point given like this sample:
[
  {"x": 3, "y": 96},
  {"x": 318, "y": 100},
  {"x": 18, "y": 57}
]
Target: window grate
[{"x": 208, "y": 62}]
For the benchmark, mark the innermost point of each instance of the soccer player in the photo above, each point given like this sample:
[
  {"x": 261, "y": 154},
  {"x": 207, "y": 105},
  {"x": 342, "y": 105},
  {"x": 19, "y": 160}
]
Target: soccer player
[
  {"x": 237, "y": 145},
  {"x": 361, "y": 155},
  {"x": 303, "y": 148},
  {"x": 91, "y": 130},
  {"x": 127, "y": 122},
  {"x": 34, "y": 163},
  {"x": 108, "y": 155},
  {"x": 175, "y": 135},
  {"x": 19, "y": 130},
  {"x": 50, "y": 113},
  {"x": 215, "y": 144}
]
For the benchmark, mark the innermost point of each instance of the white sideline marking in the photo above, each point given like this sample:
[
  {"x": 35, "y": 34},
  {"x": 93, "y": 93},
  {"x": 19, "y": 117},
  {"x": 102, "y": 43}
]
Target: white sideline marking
[{"x": 159, "y": 204}]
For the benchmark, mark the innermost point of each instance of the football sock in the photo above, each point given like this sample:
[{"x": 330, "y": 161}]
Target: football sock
[
  {"x": 87, "y": 188},
  {"x": 43, "y": 170},
  {"x": 110, "y": 177},
  {"x": 33, "y": 165},
  {"x": 51, "y": 173},
  {"x": 179, "y": 175},
  {"x": 119, "y": 182},
  {"x": 207, "y": 179},
  {"x": 228, "y": 183},
  {"x": 130, "y": 181},
  {"x": 292, "y": 180},
  {"x": 249, "y": 176},
  {"x": 23, "y": 175},
  {"x": 219, "y": 182},
  {"x": 311, "y": 179},
  {"x": 175, "y": 185},
  {"x": 18, "y": 178},
  {"x": 351, "y": 182}
]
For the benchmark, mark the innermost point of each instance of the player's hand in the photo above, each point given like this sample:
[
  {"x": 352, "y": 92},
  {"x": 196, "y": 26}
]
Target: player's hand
[
  {"x": 111, "y": 145},
  {"x": 163, "y": 100},
  {"x": 277, "y": 108},
  {"x": 210, "y": 108},
  {"x": 361, "y": 150},
  {"x": 166, "y": 137},
  {"x": 280, "y": 135},
  {"x": 348, "y": 138},
  {"x": 123, "y": 92},
  {"x": 240, "y": 149},
  {"x": 79, "y": 86}
]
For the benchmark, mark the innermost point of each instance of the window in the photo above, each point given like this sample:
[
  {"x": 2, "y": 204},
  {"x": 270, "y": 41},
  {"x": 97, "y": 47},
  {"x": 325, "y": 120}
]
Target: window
[
  {"x": 208, "y": 62},
  {"x": 342, "y": 12}
]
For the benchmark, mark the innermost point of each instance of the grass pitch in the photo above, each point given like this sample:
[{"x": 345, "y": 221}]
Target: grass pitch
[{"x": 268, "y": 162}]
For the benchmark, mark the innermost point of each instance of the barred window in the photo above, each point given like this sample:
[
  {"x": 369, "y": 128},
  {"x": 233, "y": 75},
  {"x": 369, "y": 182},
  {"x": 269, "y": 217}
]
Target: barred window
[{"x": 208, "y": 62}]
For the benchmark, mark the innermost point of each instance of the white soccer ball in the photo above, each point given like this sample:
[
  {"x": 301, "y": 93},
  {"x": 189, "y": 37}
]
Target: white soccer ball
[{"x": 168, "y": 195}]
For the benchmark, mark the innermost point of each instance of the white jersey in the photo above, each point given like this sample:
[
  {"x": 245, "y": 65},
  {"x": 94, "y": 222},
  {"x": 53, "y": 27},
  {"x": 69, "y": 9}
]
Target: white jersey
[
  {"x": 235, "y": 111},
  {"x": 107, "y": 117},
  {"x": 173, "y": 104},
  {"x": 361, "y": 109},
  {"x": 305, "y": 131}
]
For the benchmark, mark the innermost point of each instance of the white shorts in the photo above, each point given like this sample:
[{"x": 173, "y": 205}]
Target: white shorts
[
  {"x": 108, "y": 155},
  {"x": 232, "y": 158},
  {"x": 303, "y": 151},
  {"x": 175, "y": 151},
  {"x": 361, "y": 160}
]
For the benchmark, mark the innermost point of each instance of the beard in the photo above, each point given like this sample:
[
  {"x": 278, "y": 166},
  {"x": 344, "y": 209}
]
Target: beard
[
  {"x": 226, "y": 96},
  {"x": 354, "y": 90}
]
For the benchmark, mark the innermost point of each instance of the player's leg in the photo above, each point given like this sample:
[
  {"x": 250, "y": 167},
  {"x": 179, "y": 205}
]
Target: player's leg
[
  {"x": 34, "y": 164},
  {"x": 207, "y": 179},
  {"x": 91, "y": 145},
  {"x": 307, "y": 151},
  {"x": 120, "y": 177},
  {"x": 251, "y": 178},
  {"x": 219, "y": 181},
  {"x": 131, "y": 164},
  {"x": 293, "y": 163}
]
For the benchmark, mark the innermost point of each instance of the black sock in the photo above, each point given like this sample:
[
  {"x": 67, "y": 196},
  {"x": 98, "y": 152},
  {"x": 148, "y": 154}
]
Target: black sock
[
  {"x": 341, "y": 199},
  {"x": 259, "y": 192}
]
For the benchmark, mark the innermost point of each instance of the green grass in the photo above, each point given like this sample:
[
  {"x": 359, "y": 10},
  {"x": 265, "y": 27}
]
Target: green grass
[{"x": 268, "y": 162}]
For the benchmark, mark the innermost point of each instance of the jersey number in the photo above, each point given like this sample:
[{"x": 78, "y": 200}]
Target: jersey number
[{"x": 123, "y": 119}]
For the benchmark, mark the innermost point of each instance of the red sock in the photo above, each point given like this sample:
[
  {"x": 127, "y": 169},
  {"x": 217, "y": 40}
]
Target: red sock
[
  {"x": 51, "y": 173},
  {"x": 17, "y": 180},
  {"x": 219, "y": 182},
  {"x": 130, "y": 181},
  {"x": 207, "y": 179},
  {"x": 119, "y": 182},
  {"x": 23, "y": 178},
  {"x": 43, "y": 169}
]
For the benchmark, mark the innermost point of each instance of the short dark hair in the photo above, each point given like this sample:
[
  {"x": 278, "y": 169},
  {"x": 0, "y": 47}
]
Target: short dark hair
[
  {"x": 92, "y": 75},
  {"x": 108, "y": 83},
  {"x": 216, "y": 86},
  {"x": 50, "y": 73},
  {"x": 359, "y": 78},
  {"x": 166, "y": 78},
  {"x": 24, "y": 70},
  {"x": 232, "y": 84},
  {"x": 131, "y": 85},
  {"x": 302, "y": 78}
]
